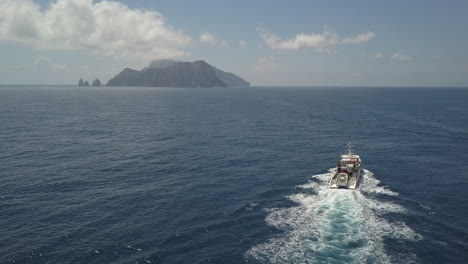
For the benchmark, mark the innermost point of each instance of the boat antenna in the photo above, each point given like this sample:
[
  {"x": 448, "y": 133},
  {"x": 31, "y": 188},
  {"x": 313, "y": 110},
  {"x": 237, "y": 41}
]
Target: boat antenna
[{"x": 350, "y": 149}]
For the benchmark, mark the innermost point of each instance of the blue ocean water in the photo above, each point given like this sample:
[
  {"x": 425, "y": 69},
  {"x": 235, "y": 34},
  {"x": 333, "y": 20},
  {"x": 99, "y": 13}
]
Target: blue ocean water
[{"x": 231, "y": 175}]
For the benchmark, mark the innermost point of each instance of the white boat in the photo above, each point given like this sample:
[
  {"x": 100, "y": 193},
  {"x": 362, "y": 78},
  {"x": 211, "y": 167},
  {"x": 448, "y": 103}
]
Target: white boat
[{"x": 348, "y": 171}]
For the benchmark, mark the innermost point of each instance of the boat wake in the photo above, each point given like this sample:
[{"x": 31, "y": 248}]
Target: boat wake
[{"x": 335, "y": 226}]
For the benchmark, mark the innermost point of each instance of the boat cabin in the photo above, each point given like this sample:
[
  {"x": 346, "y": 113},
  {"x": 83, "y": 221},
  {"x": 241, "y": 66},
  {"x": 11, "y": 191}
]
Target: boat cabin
[{"x": 348, "y": 163}]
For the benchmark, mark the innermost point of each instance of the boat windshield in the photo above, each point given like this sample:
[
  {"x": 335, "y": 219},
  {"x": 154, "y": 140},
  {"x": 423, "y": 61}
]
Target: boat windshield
[{"x": 347, "y": 162}]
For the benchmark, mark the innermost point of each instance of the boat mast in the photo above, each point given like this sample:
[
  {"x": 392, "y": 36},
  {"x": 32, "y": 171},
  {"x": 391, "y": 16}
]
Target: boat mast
[{"x": 350, "y": 149}]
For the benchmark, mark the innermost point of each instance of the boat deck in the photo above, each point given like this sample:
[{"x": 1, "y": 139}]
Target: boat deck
[{"x": 352, "y": 182}]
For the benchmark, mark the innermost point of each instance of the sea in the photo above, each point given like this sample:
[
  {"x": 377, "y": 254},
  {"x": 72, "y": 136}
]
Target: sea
[{"x": 232, "y": 175}]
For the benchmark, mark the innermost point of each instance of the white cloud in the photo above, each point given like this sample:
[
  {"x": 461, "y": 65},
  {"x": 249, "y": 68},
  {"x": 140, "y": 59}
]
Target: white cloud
[
  {"x": 401, "y": 57},
  {"x": 224, "y": 44},
  {"x": 324, "y": 41},
  {"x": 105, "y": 28},
  {"x": 265, "y": 64},
  {"x": 360, "y": 38},
  {"x": 242, "y": 43},
  {"x": 377, "y": 56},
  {"x": 209, "y": 38},
  {"x": 320, "y": 42}
]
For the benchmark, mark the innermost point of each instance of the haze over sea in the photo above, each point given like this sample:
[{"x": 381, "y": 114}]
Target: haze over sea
[{"x": 231, "y": 175}]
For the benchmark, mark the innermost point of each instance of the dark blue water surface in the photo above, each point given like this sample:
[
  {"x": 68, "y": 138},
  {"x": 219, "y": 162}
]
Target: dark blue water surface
[{"x": 232, "y": 175}]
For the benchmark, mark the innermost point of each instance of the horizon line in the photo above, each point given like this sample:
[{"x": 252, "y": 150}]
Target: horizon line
[{"x": 260, "y": 86}]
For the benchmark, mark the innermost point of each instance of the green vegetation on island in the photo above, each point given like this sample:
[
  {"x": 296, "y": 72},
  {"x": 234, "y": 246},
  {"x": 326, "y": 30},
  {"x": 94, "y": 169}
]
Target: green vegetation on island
[{"x": 168, "y": 73}]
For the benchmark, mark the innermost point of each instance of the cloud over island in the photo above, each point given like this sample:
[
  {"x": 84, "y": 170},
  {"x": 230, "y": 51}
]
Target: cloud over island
[
  {"x": 324, "y": 41},
  {"x": 106, "y": 28}
]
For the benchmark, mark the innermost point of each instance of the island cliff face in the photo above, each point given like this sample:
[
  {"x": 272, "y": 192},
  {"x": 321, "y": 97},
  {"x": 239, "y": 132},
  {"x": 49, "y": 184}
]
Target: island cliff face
[{"x": 167, "y": 73}]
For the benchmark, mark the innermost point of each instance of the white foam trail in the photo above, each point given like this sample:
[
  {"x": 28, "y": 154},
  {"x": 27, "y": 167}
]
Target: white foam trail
[{"x": 334, "y": 226}]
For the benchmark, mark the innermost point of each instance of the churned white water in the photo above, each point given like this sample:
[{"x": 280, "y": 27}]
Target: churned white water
[{"x": 335, "y": 226}]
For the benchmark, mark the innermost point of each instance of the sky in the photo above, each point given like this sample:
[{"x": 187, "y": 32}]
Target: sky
[{"x": 268, "y": 43}]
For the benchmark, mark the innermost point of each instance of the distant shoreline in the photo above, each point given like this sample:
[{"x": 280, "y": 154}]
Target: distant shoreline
[{"x": 256, "y": 86}]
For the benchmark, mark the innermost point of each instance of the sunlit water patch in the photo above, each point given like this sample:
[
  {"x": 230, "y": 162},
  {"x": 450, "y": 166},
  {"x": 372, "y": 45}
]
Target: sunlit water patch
[{"x": 335, "y": 226}]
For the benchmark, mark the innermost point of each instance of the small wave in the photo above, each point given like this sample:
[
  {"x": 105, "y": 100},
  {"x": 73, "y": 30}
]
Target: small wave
[{"x": 335, "y": 226}]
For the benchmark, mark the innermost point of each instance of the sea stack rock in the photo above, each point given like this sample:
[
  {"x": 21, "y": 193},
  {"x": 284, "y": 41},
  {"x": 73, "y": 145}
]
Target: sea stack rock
[
  {"x": 80, "y": 82},
  {"x": 86, "y": 83},
  {"x": 97, "y": 82}
]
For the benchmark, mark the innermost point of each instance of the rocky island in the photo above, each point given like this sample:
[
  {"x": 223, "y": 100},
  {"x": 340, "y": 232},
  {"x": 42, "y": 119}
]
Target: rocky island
[
  {"x": 168, "y": 73},
  {"x": 82, "y": 82},
  {"x": 97, "y": 82}
]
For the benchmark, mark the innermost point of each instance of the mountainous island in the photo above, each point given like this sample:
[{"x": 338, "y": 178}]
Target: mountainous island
[{"x": 168, "y": 73}]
